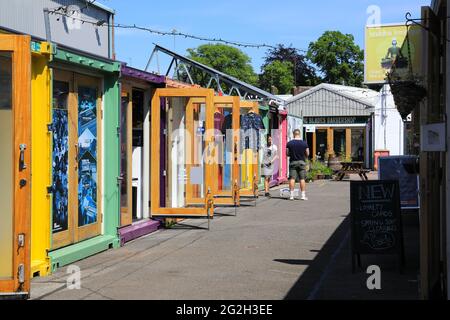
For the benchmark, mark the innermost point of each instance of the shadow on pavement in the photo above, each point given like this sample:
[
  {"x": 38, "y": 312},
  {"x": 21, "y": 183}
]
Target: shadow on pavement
[
  {"x": 294, "y": 262},
  {"x": 329, "y": 276}
]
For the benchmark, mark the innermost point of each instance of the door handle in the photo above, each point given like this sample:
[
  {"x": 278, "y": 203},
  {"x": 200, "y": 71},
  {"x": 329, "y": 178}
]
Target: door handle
[
  {"x": 22, "y": 164},
  {"x": 76, "y": 156}
]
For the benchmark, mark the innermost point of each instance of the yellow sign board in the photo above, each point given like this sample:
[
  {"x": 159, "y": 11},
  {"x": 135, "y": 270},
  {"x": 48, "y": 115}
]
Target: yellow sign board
[{"x": 383, "y": 47}]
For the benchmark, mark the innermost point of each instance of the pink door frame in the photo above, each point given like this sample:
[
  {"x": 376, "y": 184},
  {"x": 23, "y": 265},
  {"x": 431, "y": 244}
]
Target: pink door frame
[{"x": 282, "y": 117}]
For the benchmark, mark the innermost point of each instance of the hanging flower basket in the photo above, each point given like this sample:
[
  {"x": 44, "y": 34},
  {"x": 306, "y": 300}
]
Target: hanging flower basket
[{"x": 408, "y": 94}]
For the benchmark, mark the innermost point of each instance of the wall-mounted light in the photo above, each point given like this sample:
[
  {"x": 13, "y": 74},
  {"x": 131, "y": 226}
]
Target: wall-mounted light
[{"x": 100, "y": 23}]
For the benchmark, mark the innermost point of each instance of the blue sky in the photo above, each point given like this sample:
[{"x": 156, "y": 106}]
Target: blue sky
[{"x": 296, "y": 22}]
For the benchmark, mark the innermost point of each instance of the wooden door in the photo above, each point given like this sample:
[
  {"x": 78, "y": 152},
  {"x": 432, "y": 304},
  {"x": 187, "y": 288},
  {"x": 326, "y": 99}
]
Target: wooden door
[
  {"x": 224, "y": 153},
  {"x": 15, "y": 165},
  {"x": 126, "y": 152},
  {"x": 88, "y": 155},
  {"x": 226, "y": 170},
  {"x": 76, "y": 158},
  {"x": 63, "y": 158},
  {"x": 249, "y": 160},
  {"x": 187, "y": 180}
]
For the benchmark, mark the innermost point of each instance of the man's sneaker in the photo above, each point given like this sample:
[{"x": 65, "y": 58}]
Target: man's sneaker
[
  {"x": 304, "y": 198},
  {"x": 291, "y": 199},
  {"x": 267, "y": 195}
]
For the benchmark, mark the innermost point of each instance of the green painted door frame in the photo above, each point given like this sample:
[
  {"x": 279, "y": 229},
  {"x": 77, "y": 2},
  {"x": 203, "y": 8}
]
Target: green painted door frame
[{"x": 109, "y": 71}]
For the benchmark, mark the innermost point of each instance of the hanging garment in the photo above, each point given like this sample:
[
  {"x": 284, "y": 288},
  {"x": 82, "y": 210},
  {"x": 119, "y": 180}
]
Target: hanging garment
[
  {"x": 251, "y": 124},
  {"x": 218, "y": 121},
  {"x": 227, "y": 123}
]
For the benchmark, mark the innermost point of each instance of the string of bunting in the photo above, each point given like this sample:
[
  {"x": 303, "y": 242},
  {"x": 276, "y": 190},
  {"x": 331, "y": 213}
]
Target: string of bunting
[{"x": 62, "y": 11}]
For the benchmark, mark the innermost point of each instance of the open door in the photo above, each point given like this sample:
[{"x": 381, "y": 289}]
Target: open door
[
  {"x": 226, "y": 169},
  {"x": 249, "y": 155},
  {"x": 224, "y": 155},
  {"x": 15, "y": 190},
  {"x": 182, "y": 177}
]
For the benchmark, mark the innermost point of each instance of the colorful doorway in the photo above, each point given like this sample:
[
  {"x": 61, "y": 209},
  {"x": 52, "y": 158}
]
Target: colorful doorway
[
  {"x": 15, "y": 168},
  {"x": 76, "y": 158}
]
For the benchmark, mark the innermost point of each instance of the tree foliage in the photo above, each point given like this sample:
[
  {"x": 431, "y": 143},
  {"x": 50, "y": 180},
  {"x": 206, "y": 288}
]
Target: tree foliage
[
  {"x": 277, "y": 77},
  {"x": 224, "y": 58},
  {"x": 338, "y": 58},
  {"x": 303, "y": 72}
]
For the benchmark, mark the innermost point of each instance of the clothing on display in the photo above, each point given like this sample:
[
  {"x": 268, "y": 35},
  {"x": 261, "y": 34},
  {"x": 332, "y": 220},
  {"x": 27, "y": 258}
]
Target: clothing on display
[
  {"x": 228, "y": 123},
  {"x": 219, "y": 119},
  {"x": 251, "y": 124}
]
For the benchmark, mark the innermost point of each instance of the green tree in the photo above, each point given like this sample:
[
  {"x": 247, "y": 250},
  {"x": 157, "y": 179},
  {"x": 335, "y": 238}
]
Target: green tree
[
  {"x": 338, "y": 58},
  {"x": 226, "y": 59},
  {"x": 302, "y": 69},
  {"x": 277, "y": 77}
]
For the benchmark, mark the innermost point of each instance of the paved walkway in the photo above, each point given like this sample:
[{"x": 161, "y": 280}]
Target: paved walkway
[{"x": 276, "y": 250}]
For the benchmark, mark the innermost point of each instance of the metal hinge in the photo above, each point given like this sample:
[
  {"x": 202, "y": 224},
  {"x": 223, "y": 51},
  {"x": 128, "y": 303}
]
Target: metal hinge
[
  {"x": 118, "y": 131},
  {"x": 165, "y": 132},
  {"x": 49, "y": 189},
  {"x": 165, "y": 173},
  {"x": 50, "y": 127}
]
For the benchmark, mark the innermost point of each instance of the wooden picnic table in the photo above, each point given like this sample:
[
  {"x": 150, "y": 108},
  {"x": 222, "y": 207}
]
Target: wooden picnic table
[{"x": 353, "y": 167}]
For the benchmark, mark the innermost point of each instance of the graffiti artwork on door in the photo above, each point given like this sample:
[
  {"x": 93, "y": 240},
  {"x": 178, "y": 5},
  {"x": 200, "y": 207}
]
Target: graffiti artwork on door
[
  {"x": 60, "y": 158},
  {"x": 87, "y": 156}
]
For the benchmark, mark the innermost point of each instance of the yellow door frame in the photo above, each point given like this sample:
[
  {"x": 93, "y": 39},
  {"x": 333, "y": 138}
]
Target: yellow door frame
[
  {"x": 41, "y": 158},
  {"x": 206, "y": 95},
  {"x": 254, "y": 189}
]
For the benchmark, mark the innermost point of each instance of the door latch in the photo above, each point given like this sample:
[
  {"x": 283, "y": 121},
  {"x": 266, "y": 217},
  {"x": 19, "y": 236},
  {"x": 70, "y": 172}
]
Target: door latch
[
  {"x": 21, "y": 273},
  {"x": 22, "y": 165}
]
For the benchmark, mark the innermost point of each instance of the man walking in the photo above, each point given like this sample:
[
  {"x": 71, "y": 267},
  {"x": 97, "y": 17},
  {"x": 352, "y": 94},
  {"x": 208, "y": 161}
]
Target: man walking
[{"x": 298, "y": 153}]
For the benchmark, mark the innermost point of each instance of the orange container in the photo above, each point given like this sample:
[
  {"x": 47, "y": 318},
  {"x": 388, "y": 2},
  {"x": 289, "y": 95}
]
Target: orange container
[{"x": 378, "y": 154}]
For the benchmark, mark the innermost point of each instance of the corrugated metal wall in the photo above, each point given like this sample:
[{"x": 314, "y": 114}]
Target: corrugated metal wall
[
  {"x": 27, "y": 16},
  {"x": 322, "y": 103}
]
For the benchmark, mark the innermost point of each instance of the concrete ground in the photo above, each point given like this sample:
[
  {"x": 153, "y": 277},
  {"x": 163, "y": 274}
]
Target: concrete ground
[{"x": 276, "y": 250}]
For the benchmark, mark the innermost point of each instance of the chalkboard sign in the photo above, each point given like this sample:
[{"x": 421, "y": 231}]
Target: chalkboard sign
[{"x": 376, "y": 221}]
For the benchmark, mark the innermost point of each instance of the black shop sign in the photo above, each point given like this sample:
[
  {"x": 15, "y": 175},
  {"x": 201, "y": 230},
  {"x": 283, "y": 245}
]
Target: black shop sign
[
  {"x": 376, "y": 221},
  {"x": 336, "y": 120}
]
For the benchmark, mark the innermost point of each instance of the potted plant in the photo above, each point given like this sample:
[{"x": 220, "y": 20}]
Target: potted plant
[
  {"x": 319, "y": 169},
  {"x": 328, "y": 172}
]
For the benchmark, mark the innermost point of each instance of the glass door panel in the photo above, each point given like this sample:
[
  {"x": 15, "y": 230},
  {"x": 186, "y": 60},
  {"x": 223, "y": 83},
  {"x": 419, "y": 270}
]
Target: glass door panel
[
  {"x": 358, "y": 145},
  {"x": 321, "y": 144},
  {"x": 63, "y": 159},
  {"x": 226, "y": 137},
  {"x": 6, "y": 165},
  {"x": 339, "y": 143},
  {"x": 126, "y": 211},
  {"x": 60, "y": 162},
  {"x": 88, "y": 153}
]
